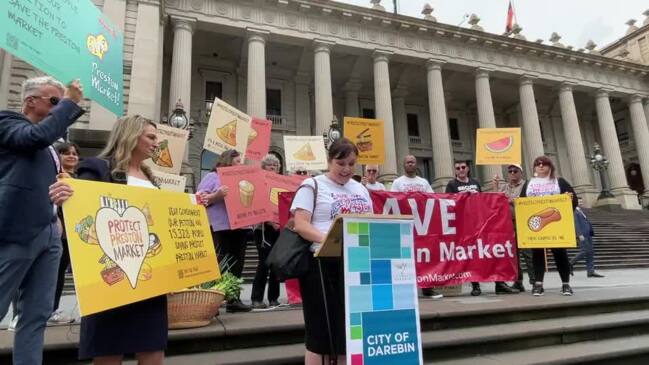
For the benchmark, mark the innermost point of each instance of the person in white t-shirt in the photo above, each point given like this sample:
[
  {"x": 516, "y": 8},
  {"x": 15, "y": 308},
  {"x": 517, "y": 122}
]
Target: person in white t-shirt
[
  {"x": 410, "y": 182},
  {"x": 336, "y": 193},
  {"x": 369, "y": 179}
]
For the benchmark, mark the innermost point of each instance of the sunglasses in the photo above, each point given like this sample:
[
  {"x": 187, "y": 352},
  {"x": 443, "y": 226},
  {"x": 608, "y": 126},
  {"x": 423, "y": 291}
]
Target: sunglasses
[
  {"x": 300, "y": 172},
  {"x": 513, "y": 171},
  {"x": 372, "y": 171},
  {"x": 540, "y": 163},
  {"x": 53, "y": 99},
  {"x": 460, "y": 168}
]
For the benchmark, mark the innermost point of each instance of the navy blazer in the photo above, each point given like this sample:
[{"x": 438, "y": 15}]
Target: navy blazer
[{"x": 27, "y": 170}]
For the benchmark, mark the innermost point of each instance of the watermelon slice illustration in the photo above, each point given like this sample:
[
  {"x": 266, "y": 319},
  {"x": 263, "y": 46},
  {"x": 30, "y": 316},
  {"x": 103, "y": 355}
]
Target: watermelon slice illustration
[{"x": 500, "y": 145}]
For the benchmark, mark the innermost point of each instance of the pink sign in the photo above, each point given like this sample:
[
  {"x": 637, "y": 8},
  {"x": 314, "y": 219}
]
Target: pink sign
[
  {"x": 276, "y": 184},
  {"x": 246, "y": 201},
  {"x": 258, "y": 139}
]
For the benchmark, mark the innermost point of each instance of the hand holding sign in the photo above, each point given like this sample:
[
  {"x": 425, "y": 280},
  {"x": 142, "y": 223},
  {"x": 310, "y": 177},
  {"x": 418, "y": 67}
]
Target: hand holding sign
[{"x": 74, "y": 91}]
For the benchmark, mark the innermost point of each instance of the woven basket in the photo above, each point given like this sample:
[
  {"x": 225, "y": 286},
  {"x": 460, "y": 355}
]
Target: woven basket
[{"x": 193, "y": 307}]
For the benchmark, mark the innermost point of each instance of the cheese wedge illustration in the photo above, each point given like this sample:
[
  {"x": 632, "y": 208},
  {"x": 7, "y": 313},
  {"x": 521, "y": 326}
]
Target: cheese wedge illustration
[
  {"x": 274, "y": 195},
  {"x": 162, "y": 155},
  {"x": 305, "y": 153},
  {"x": 228, "y": 133},
  {"x": 251, "y": 137}
]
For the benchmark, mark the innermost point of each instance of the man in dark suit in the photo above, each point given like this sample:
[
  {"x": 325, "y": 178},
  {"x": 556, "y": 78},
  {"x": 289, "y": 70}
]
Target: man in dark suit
[{"x": 30, "y": 245}]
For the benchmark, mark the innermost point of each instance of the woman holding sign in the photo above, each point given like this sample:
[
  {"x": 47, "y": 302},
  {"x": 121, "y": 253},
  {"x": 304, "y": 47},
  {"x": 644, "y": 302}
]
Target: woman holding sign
[
  {"x": 315, "y": 209},
  {"x": 140, "y": 328},
  {"x": 544, "y": 183}
]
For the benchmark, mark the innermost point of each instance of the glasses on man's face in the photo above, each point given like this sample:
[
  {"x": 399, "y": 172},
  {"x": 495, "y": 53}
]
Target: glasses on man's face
[
  {"x": 300, "y": 172},
  {"x": 512, "y": 171},
  {"x": 460, "y": 168},
  {"x": 52, "y": 99},
  {"x": 371, "y": 171}
]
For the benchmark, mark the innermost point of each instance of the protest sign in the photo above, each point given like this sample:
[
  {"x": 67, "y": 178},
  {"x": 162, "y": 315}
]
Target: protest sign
[
  {"x": 130, "y": 243},
  {"x": 170, "y": 182},
  {"x": 306, "y": 152},
  {"x": 381, "y": 306},
  {"x": 367, "y": 134},
  {"x": 246, "y": 201},
  {"x": 67, "y": 40},
  {"x": 458, "y": 237},
  {"x": 498, "y": 146},
  {"x": 545, "y": 222},
  {"x": 276, "y": 184},
  {"x": 228, "y": 129},
  {"x": 168, "y": 157},
  {"x": 258, "y": 139}
]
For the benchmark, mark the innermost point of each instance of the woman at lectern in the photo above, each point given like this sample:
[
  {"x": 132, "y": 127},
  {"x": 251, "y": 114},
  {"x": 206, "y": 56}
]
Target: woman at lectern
[{"x": 335, "y": 193}]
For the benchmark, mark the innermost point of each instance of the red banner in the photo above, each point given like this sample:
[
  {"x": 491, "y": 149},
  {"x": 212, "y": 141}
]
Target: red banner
[{"x": 458, "y": 237}]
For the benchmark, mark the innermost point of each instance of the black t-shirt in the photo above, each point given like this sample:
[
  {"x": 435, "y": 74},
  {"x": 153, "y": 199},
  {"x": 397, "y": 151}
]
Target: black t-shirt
[{"x": 457, "y": 186}]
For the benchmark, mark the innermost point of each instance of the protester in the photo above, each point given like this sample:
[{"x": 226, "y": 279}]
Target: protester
[
  {"x": 584, "y": 230},
  {"x": 69, "y": 155},
  {"x": 369, "y": 179},
  {"x": 545, "y": 182},
  {"x": 407, "y": 183},
  {"x": 512, "y": 190},
  {"x": 336, "y": 194},
  {"x": 141, "y": 327},
  {"x": 265, "y": 236},
  {"x": 30, "y": 246},
  {"x": 463, "y": 183},
  {"x": 230, "y": 244}
]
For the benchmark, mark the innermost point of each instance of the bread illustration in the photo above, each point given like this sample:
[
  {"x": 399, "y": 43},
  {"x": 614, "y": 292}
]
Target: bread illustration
[
  {"x": 274, "y": 195},
  {"x": 251, "y": 137},
  {"x": 246, "y": 193},
  {"x": 162, "y": 155},
  {"x": 539, "y": 220},
  {"x": 228, "y": 133},
  {"x": 305, "y": 153}
]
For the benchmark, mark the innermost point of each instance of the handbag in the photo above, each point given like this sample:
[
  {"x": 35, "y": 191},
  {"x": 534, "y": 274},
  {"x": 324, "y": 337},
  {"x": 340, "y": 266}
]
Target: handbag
[{"x": 289, "y": 258}]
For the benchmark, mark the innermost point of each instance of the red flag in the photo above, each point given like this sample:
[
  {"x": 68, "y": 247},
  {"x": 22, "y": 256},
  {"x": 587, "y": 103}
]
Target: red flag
[{"x": 510, "y": 18}]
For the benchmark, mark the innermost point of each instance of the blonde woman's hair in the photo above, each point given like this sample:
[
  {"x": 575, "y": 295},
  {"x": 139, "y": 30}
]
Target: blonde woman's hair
[{"x": 123, "y": 140}]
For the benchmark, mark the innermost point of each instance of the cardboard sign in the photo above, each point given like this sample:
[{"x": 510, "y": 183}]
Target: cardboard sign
[
  {"x": 168, "y": 157},
  {"x": 68, "y": 40},
  {"x": 246, "y": 201},
  {"x": 367, "y": 134},
  {"x": 228, "y": 129},
  {"x": 305, "y": 152},
  {"x": 259, "y": 139},
  {"x": 130, "y": 243},
  {"x": 276, "y": 184},
  {"x": 545, "y": 222},
  {"x": 381, "y": 306},
  {"x": 170, "y": 182},
  {"x": 498, "y": 146}
]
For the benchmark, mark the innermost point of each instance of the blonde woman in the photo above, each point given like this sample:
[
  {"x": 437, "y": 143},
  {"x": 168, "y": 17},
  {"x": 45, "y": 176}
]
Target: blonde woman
[{"x": 139, "y": 328}]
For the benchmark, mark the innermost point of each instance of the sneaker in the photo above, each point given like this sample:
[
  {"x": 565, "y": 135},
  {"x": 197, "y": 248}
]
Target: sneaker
[
  {"x": 502, "y": 288},
  {"x": 537, "y": 290},
  {"x": 431, "y": 293},
  {"x": 476, "y": 290},
  {"x": 519, "y": 286},
  {"x": 58, "y": 318},
  {"x": 258, "y": 305},
  {"x": 236, "y": 305},
  {"x": 273, "y": 303},
  {"x": 566, "y": 290},
  {"x": 594, "y": 275}
]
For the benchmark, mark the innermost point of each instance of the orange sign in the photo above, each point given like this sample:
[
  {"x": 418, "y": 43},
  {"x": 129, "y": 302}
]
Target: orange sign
[
  {"x": 498, "y": 146},
  {"x": 367, "y": 134},
  {"x": 246, "y": 200},
  {"x": 275, "y": 184},
  {"x": 258, "y": 139}
]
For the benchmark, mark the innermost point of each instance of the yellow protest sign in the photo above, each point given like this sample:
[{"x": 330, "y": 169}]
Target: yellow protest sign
[
  {"x": 367, "y": 134},
  {"x": 498, "y": 146},
  {"x": 130, "y": 243},
  {"x": 545, "y": 222},
  {"x": 168, "y": 157}
]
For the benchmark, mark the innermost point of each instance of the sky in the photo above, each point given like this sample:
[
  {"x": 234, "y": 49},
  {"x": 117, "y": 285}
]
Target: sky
[{"x": 576, "y": 21}]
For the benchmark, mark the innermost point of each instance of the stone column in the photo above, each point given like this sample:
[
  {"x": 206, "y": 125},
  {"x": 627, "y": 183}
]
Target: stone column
[
  {"x": 302, "y": 105},
  {"x": 575, "y": 146},
  {"x": 486, "y": 119},
  {"x": 351, "y": 89},
  {"x": 531, "y": 127},
  {"x": 646, "y": 109},
  {"x": 383, "y": 105},
  {"x": 611, "y": 147},
  {"x": 440, "y": 137},
  {"x": 180, "y": 86},
  {"x": 401, "y": 139},
  {"x": 324, "y": 109},
  {"x": 5, "y": 75},
  {"x": 256, "y": 97},
  {"x": 145, "y": 79},
  {"x": 641, "y": 135}
]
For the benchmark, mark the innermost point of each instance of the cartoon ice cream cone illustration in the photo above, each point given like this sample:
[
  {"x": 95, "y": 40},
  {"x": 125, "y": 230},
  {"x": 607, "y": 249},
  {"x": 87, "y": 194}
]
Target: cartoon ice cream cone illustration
[{"x": 246, "y": 193}]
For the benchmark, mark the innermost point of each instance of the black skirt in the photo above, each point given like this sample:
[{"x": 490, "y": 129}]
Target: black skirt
[
  {"x": 133, "y": 328},
  {"x": 315, "y": 320}
]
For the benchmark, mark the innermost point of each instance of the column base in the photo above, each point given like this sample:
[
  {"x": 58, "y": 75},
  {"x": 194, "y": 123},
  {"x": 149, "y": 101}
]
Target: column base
[
  {"x": 587, "y": 194},
  {"x": 439, "y": 184},
  {"x": 627, "y": 198}
]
